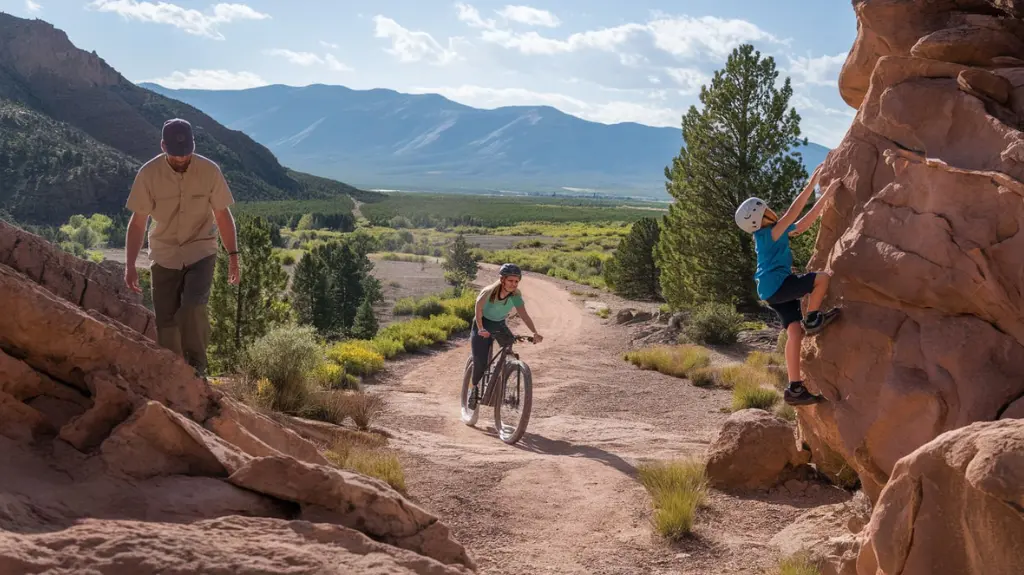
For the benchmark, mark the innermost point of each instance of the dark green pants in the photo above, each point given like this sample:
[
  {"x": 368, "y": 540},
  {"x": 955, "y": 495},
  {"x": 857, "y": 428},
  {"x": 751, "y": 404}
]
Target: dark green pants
[{"x": 179, "y": 303}]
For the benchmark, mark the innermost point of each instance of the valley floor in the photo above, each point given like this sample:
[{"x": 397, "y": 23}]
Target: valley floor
[{"x": 565, "y": 499}]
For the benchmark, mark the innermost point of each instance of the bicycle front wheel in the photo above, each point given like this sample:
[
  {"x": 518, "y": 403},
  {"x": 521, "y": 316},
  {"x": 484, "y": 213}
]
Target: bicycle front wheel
[
  {"x": 512, "y": 408},
  {"x": 469, "y": 416}
]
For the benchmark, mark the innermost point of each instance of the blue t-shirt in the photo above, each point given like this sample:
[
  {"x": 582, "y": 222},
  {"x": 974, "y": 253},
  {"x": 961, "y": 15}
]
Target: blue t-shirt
[{"x": 774, "y": 261}]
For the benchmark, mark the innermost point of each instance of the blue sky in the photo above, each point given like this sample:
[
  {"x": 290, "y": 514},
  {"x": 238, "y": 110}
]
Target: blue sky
[{"x": 603, "y": 60}]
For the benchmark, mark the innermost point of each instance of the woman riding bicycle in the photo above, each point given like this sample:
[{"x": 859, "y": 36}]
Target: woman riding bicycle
[{"x": 492, "y": 307}]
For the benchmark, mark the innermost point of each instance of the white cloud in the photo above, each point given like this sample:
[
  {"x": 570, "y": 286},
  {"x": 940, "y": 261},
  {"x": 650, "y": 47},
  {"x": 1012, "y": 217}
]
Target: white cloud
[
  {"x": 210, "y": 80},
  {"x": 687, "y": 37},
  {"x": 412, "y": 46},
  {"x": 683, "y": 37},
  {"x": 309, "y": 59},
  {"x": 471, "y": 16},
  {"x": 329, "y": 45},
  {"x": 530, "y": 16},
  {"x": 33, "y": 6},
  {"x": 299, "y": 58},
  {"x": 532, "y": 43},
  {"x": 821, "y": 71},
  {"x": 187, "y": 19},
  {"x": 609, "y": 112},
  {"x": 819, "y": 122},
  {"x": 335, "y": 64},
  {"x": 690, "y": 80}
]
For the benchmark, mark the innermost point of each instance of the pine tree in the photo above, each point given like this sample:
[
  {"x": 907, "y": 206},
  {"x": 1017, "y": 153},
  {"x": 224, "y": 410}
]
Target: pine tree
[
  {"x": 365, "y": 326},
  {"x": 738, "y": 146},
  {"x": 459, "y": 266},
  {"x": 330, "y": 283},
  {"x": 241, "y": 314},
  {"x": 632, "y": 271}
]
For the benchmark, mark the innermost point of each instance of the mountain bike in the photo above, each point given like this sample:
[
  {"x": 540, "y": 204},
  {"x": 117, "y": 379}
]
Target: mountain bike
[{"x": 508, "y": 389}]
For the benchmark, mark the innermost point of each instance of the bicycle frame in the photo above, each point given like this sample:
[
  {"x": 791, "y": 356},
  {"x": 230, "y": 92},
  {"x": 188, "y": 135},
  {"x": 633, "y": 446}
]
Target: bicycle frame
[{"x": 491, "y": 377}]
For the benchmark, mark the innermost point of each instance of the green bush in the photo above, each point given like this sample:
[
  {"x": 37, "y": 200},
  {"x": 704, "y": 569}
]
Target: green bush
[
  {"x": 714, "y": 323},
  {"x": 387, "y": 346},
  {"x": 358, "y": 357},
  {"x": 422, "y": 332},
  {"x": 285, "y": 357}
]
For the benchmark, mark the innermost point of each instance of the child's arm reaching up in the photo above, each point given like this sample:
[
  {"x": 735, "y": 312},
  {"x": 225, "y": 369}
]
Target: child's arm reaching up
[
  {"x": 796, "y": 207},
  {"x": 807, "y": 221}
]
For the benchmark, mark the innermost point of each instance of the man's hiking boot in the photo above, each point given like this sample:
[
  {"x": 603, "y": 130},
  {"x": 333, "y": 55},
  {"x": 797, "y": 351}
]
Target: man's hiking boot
[
  {"x": 474, "y": 397},
  {"x": 813, "y": 324},
  {"x": 796, "y": 394}
]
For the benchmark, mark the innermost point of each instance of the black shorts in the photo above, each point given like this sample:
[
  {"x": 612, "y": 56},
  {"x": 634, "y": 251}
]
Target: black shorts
[{"x": 786, "y": 301}]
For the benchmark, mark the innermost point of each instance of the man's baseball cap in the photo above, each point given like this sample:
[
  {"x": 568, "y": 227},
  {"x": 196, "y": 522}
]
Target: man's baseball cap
[{"x": 177, "y": 137}]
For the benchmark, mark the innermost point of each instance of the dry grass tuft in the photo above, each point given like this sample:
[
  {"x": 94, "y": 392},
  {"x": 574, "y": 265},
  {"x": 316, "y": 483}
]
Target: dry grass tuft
[
  {"x": 675, "y": 360},
  {"x": 365, "y": 453},
  {"x": 678, "y": 489}
]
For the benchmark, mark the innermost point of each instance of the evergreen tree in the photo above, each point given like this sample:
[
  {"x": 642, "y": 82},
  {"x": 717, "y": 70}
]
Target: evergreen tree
[
  {"x": 738, "y": 146},
  {"x": 632, "y": 271},
  {"x": 241, "y": 314},
  {"x": 365, "y": 326},
  {"x": 330, "y": 283},
  {"x": 459, "y": 266}
]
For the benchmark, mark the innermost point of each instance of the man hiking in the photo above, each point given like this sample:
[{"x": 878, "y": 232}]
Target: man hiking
[{"x": 187, "y": 197}]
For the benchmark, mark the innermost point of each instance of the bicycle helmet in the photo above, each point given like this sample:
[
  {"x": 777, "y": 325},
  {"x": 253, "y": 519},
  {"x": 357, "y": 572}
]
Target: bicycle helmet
[
  {"x": 510, "y": 270},
  {"x": 750, "y": 213}
]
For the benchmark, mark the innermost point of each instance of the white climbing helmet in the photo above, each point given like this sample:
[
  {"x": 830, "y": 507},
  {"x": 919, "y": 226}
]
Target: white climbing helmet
[{"x": 749, "y": 214}]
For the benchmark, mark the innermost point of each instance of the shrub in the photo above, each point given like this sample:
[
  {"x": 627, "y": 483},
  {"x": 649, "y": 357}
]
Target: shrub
[
  {"x": 773, "y": 364},
  {"x": 603, "y": 313},
  {"x": 326, "y": 406},
  {"x": 705, "y": 377},
  {"x": 677, "y": 489},
  {"x": 799, "y": 564},
  {"x": 785, "y": 411},
  {"x": 463, "y": 307},
  {"x": 678, "y": 361},
  {"x": 387, "y": 346},
  {"x": 362, "y": 407},
  {"x": 754, "y": 397},
  {"x": 422, "y": 332},
  {"x": 429, "y": 306},
  {"x": 358, "y": 357},
  {"x": 284, "y": 357},
  {"x": 405, "y": 306},
  {"x": 714, "y": 323},
  {"x": 753, "y": 326},
  {"x": 330, "y": 375},
  {"x": 287, "y": 259},
  {"x": 363, "y": 453},
  {"x": 733, "y": 376}
]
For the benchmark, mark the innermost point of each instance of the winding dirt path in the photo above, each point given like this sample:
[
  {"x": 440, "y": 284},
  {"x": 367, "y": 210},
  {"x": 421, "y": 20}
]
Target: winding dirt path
[{"x": 565, "y": 499}]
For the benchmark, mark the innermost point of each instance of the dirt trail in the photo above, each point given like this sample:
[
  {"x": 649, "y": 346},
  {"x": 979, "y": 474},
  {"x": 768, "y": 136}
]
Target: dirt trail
[{"x": 565, "y": 498}]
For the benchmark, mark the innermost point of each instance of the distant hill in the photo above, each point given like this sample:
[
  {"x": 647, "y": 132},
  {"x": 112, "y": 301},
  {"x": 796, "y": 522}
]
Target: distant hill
[
  {"x": 382, "y": 138},
  {"x": 73, "y": 131}
]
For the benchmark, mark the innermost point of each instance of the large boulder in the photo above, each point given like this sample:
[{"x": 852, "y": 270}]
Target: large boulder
[
  {"x": 954, "y": 505},
  {"x": 117, "y": 459},
  {"x": 754, "y": 450},
  {"x": 925, "y": 237}
]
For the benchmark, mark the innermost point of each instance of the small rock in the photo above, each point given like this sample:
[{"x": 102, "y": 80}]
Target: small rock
[{"x": 624, "y": 316}]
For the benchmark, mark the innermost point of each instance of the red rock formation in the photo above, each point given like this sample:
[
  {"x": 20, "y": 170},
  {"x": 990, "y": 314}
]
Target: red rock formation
[
  {"x": 926, "y": 235},
  {"x": 955, "y": 505},
  {"x": 98, "y": 423}
]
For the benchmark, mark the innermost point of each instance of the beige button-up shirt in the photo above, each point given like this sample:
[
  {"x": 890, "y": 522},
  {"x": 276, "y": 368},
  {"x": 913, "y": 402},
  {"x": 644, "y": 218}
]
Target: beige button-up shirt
[{"x": 184, "y": 230}]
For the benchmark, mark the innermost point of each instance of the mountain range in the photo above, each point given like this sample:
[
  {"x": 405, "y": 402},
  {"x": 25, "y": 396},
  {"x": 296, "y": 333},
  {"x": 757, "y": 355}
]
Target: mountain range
[
  {"x": 73, "y": 133},
  {"x": 386, "y": 139}
]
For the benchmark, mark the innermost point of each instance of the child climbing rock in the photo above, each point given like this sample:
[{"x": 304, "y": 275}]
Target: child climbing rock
[{"x": 779, "y": 286}]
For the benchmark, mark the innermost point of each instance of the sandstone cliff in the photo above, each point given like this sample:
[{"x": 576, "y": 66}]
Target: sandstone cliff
[
  {"x": 116, "y": 459},
  {"x": 926, "y": 243}
]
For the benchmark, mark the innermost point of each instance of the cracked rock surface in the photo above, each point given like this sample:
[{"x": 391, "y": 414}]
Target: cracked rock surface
[{"x": 118, "y": 460}]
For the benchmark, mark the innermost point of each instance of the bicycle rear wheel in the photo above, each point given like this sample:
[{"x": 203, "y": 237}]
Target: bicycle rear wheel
[
  {"x": 512, "y": 407},
  {"x": 469, "y": 416}
]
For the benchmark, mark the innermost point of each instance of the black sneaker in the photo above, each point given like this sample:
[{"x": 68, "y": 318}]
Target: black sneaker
[
  {"x": 797, "y": 394},
  {"x": 473, "y": 398},
  {"x": 815, "y": 324}
]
